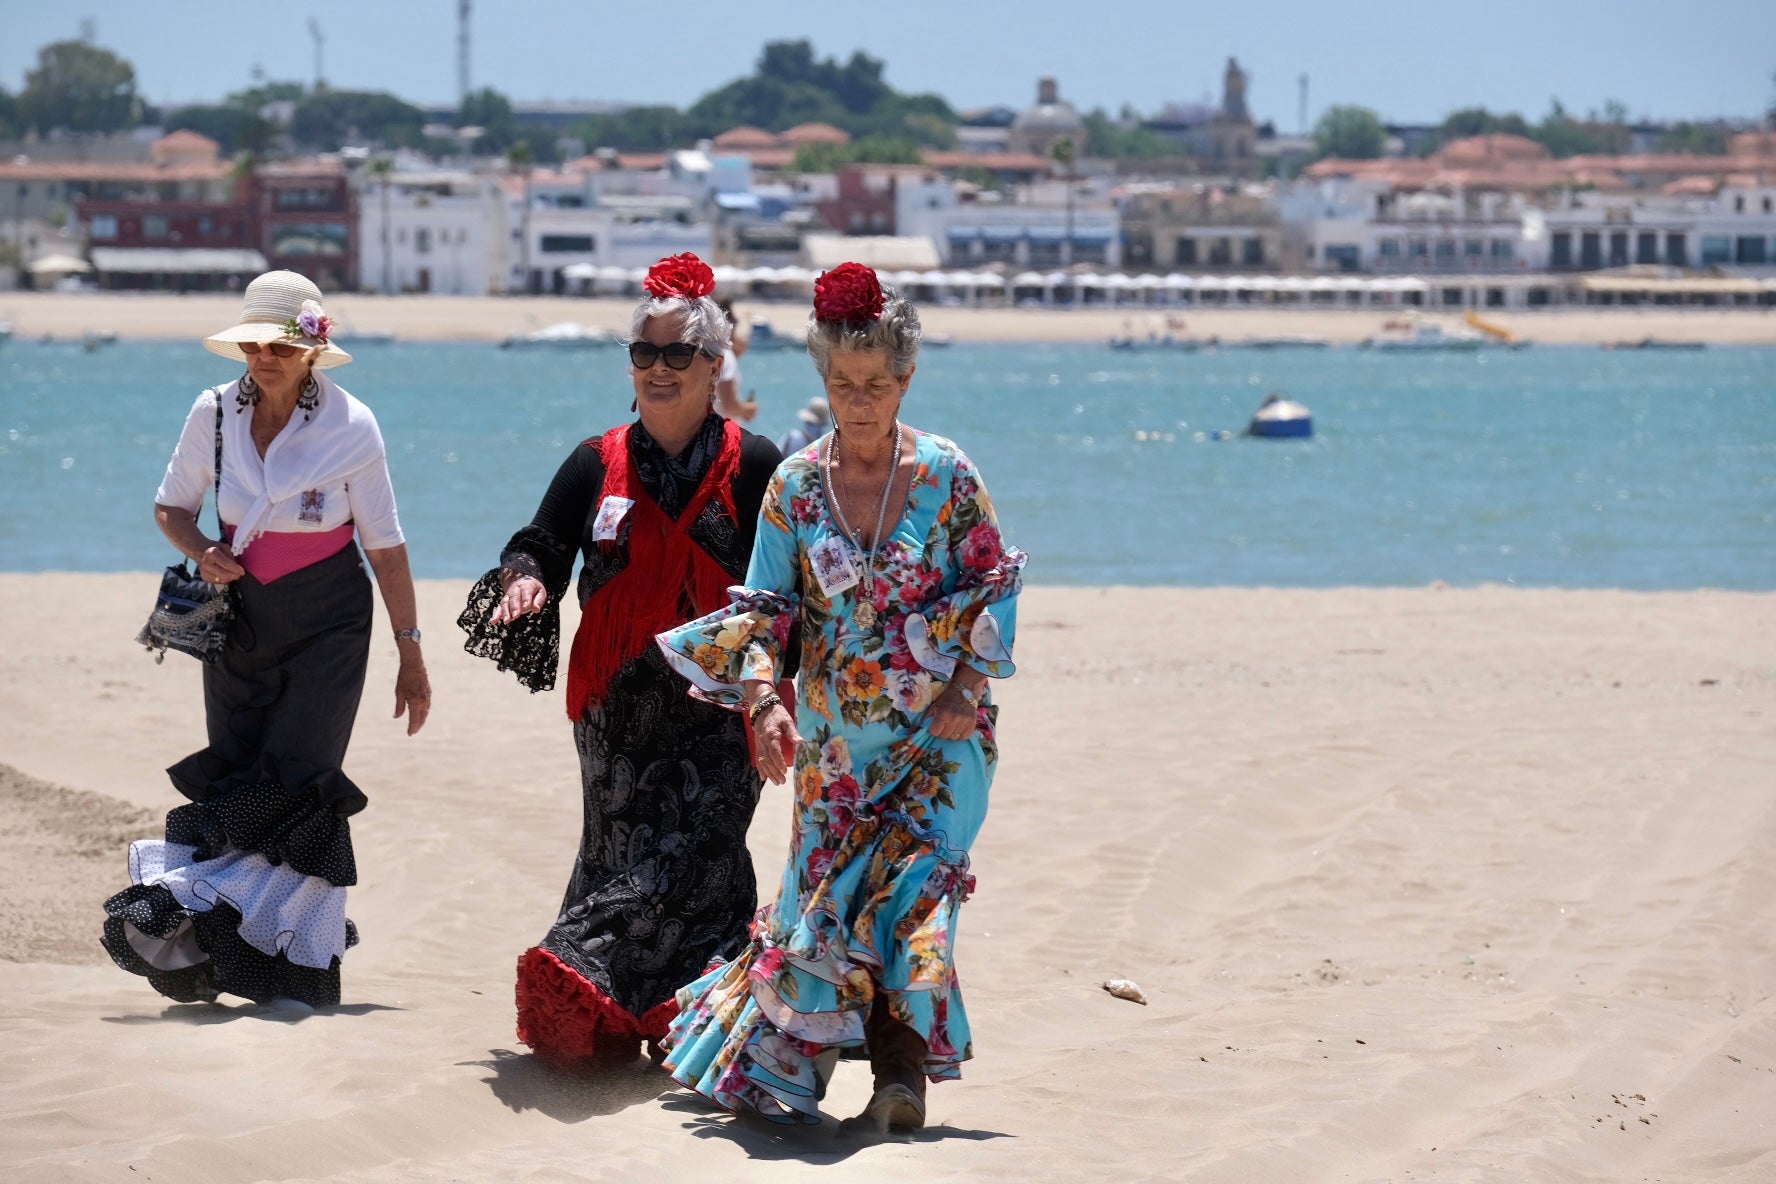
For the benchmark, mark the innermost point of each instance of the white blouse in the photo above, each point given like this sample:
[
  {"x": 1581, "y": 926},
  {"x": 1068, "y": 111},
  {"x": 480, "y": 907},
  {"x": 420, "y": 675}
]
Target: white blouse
[{"x": 318, "y": 474}]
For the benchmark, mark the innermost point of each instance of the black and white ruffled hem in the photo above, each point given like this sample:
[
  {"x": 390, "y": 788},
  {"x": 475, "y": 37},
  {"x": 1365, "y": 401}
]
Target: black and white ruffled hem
[
  {"x": 246, "y": 894},
  {"x": 236, "y": 924}
]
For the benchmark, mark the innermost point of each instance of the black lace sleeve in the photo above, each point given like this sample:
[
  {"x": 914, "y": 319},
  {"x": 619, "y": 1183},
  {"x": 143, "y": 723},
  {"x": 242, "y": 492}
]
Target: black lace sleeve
[{"x": 530, "y": 647}]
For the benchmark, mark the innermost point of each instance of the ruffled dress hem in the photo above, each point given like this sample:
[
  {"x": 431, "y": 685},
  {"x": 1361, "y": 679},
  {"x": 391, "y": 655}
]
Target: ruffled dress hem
[{"x": 566, "y": 1020}]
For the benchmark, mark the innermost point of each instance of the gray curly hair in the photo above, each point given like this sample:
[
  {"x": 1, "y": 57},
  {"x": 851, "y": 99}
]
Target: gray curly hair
[
  {"x": 896, "y": 331},
  {"x": 706, "y": 326}
]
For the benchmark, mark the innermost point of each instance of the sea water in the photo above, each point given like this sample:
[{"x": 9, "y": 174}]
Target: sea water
[{"x": 1544, "y": 466}]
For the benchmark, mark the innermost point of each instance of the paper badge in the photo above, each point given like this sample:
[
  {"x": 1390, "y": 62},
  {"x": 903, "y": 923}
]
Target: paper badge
[
  {"x": 610, "y": 516},
  {"x": 313, "y": 507},
  {"x": 835, "y": 567}
]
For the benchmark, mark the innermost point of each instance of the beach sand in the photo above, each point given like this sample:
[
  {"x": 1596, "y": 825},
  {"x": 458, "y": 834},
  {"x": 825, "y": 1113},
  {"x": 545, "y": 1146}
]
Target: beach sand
[
  {"x": 462, "y": 318},
  {"x": 1463, "y": 884}
]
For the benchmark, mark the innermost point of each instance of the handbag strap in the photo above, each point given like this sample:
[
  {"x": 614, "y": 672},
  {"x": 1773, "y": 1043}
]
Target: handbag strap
[{"x": 219, "y": 527}]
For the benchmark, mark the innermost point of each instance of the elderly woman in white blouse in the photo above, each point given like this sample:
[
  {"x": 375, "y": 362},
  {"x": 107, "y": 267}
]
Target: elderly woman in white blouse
[{"x": 246, "y": 895}]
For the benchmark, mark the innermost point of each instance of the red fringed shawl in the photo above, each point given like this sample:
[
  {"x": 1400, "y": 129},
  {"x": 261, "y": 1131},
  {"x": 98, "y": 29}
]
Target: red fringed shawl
[{"x": 669, "y": 579}]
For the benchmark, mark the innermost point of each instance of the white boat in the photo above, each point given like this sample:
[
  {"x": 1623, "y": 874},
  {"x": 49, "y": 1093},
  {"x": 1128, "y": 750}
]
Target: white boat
[
  {"x": 1417, "y": 334},
  {"x": 5, "y": 332},
  {"x": 566, "y": 335},
  {"x": 1165, "y": 342}
]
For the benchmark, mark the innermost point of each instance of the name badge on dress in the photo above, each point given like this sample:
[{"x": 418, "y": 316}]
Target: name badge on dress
[
  {"x": 610, "y": 516},
  {"x": 313, "y": 507},
  {"x": 834, "y": 566}
]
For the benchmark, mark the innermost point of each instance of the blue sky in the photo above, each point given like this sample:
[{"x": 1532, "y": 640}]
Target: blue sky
[{"x": 1409, "y": 61}]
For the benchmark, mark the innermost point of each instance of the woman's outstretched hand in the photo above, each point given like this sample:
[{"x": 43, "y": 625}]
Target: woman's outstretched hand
[
  {"x": 523, "y": 595},
  {"x": 775, "y": 738}
]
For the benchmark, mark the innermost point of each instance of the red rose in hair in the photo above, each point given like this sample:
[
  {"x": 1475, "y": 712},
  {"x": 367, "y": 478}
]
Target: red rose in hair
[
  {"x": 849, "y": 293},
  {"x": 679, "y": 275}
]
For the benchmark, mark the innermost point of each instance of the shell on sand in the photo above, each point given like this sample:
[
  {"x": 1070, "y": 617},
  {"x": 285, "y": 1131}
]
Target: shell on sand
[{"x": 1126, "y": 988}]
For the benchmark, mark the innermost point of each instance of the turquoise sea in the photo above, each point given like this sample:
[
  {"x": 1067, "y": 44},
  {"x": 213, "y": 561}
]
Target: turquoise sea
[{"x": 1547, "y": 466}]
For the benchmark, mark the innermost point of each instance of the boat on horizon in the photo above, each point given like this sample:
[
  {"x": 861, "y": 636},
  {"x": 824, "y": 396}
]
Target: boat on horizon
[
  {"x": 1654, "y": 343},
  {"x": 1281, "y": 341},
  {"x": 1418, "y": 334},
  {"x": 1167, "y": 341},
  {"x": 564, "y": 335}
]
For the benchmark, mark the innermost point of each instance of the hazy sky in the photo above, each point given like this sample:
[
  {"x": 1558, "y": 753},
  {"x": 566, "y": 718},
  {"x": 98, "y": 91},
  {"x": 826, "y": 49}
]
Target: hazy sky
[{"x": 1409, "y": 61}]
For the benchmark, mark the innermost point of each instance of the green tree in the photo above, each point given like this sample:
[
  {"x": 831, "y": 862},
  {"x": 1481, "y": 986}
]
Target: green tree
[
  {"x": 1350, "y": 133},
  {"x": 236, "y": 129},
  {"x": 827, "y": 158},
  {"x": 255, "y": 97},
  {"x": 79, "y": 88},
  {"x": 1564, "y": 136},
  {"x": 1125, "y": 138},
  {"x": 490, "y": 111},
  {"x": 1698, "y": 139},
  {"x": 330, "y": 119},
  {"x": 634, "y": 129},
  {"x": 9, "y": 116}
]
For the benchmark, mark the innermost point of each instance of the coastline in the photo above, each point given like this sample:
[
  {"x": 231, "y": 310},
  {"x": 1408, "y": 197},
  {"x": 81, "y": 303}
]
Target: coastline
[
  {"x": 151, "y": 316},
  {"x": 1382, "y": 860}
]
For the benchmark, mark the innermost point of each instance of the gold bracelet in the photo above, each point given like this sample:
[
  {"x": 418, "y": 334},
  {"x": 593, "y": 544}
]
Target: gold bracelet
[{"x": 765, "y": 702}]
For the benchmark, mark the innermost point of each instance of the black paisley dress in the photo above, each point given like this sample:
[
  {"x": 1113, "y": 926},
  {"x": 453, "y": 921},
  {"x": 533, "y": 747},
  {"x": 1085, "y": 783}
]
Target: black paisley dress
[{"x": 662, "y": 884}]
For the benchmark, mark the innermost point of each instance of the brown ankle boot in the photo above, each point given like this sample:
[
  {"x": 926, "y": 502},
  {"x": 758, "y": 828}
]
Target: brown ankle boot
[{"x": 897, "y": 1057}]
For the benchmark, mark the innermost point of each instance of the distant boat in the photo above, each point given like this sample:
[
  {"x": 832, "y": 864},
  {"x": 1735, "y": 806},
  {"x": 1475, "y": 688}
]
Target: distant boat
[
  {"x": 5, "y": 332},
  {"x": 566, "y": 335},
  {"x": 1156, "y": 342},
  {"x": 1281, "y": 341},
  {"x": 1278, "y": 418},
  {"x": 765, "y": 337},
  {"x": 1418, "y": 335},
  {"x": 1653, "y": 343},
  {"x": 936, "y": 340}
]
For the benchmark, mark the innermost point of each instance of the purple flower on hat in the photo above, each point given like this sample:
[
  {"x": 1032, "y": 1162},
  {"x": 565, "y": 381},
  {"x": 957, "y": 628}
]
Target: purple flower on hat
[{"x": 310, "y": 322}]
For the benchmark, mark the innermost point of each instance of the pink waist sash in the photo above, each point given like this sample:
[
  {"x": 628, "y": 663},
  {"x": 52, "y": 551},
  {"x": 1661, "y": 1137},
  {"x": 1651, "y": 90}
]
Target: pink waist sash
[{"x": 278, "y": 553}]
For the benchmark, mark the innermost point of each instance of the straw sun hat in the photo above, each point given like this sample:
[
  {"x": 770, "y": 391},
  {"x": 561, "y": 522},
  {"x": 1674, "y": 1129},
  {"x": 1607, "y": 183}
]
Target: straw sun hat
[{"x": 281, "y": 306}]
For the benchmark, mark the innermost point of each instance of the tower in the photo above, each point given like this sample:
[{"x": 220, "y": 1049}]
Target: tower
[{"x": 462, "y": 52}]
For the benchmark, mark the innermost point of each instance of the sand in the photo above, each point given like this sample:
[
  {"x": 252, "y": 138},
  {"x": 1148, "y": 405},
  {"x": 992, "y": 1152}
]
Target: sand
[
  {"x": 1463, "y": 884},
  {"x": 461, "y": 318}
]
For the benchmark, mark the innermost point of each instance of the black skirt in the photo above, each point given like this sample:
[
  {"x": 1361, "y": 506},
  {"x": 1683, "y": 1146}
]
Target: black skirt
[{"x": 246, "y": 894}]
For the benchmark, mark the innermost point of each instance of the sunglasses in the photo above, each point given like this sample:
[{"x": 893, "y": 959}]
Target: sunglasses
[
  {"x": 678, "y": 355},
  {"x": 277, "y": 348}
]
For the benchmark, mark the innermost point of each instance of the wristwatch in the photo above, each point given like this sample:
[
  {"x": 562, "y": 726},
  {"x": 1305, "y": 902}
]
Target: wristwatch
[{"x": 407, "y": 635}]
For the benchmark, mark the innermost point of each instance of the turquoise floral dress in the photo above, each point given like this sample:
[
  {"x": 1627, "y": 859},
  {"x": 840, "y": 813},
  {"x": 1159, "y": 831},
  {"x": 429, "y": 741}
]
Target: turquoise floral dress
[{"x": 884, "y": 812}]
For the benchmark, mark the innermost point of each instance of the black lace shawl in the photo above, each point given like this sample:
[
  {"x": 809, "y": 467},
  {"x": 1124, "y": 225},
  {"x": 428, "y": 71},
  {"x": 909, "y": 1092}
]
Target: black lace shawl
[{"x": 531, "y": 646}]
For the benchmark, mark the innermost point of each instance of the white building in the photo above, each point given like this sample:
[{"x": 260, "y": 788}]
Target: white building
[
  {"x": 572, "y": 220},
  {"x": 431, "y": 232},
  {"x": 1029, "y": 227}
]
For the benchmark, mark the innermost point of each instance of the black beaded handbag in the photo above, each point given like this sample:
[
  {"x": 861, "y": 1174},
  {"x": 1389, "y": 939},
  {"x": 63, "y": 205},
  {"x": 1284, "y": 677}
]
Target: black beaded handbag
[{"x": 191, "y": 615}]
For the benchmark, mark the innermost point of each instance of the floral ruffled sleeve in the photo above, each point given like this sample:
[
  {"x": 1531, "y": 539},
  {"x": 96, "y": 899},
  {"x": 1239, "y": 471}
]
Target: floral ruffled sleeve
[
  {"x": 974, "y": 622},
  {"x": 748, "y": 639}
]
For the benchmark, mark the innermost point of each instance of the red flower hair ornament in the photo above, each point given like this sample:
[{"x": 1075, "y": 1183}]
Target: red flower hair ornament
[
  {"x": 683, "y": 275},
  {"x": 848, "y": 294}
]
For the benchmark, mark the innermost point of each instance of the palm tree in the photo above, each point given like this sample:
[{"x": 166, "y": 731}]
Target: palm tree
[
  {"x": 519, "y": 157},
  {"x": 1063, "y": 152},
  {"x": 381, "y": 168}
]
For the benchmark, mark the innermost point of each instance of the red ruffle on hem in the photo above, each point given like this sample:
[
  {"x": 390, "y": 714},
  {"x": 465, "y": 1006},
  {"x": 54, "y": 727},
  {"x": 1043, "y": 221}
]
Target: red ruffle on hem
[{"x": 566, "y": 1020}]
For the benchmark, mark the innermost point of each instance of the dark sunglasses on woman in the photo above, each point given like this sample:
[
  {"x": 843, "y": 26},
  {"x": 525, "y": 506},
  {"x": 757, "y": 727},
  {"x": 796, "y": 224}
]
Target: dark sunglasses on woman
[
  {"x": 278, "y": 348},
  {"x": 678, "y": 355}
]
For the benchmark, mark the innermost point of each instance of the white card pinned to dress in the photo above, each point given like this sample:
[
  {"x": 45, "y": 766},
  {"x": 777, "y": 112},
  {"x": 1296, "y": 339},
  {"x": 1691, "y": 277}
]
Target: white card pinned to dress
[
  {"x": 834, "y": 565},
  {"x": 610, "y": 516}
]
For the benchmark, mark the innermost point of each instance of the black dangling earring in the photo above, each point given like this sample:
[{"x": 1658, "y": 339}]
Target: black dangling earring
[
  {"x": 310, "y": 398},
  {"x": 248, "y": 394}
]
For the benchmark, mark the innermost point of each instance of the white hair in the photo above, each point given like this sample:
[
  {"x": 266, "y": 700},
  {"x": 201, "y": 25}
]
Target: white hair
[
  {"x": 705, "y": 325},
  {"x": 896, "y": 331}
]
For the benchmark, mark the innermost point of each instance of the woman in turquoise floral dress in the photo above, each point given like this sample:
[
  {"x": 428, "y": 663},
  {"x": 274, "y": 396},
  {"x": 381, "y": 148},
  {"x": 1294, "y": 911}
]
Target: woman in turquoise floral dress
[{"x": 879, "y": 542}]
